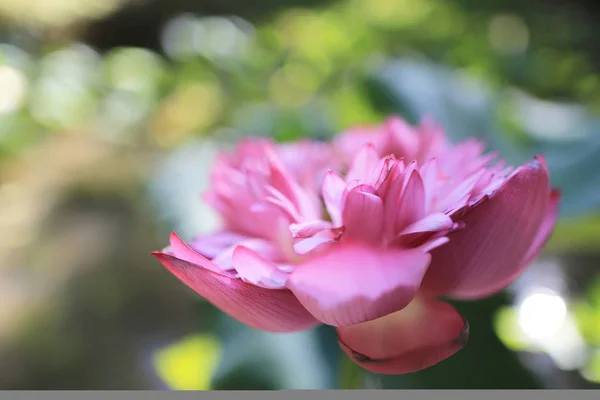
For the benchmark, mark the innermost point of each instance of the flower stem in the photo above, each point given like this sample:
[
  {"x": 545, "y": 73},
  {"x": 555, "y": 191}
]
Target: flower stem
[{"x": 351, "y": 375}]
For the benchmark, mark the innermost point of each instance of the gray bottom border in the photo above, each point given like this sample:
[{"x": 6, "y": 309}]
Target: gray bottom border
[{"x": 318, "y": 394}]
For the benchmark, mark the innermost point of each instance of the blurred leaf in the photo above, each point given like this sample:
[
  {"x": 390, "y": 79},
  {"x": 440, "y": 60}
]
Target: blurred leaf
[
  {"x": 574, "y": 169},
  {"x": 18, "y": 132},
  {"x": 591, "y": 371},
  {"x": 593, "y": 293},
  {"x": 352, "y": 107},
  {"x": 587, "y": 312},
  {"x": 254, "y": 359},
  {"x": 588, "y": 322},
  {"x": 351, "y": 375},
  {"x": 189, "y": 363},
  {"x": 576, "y": 234}
]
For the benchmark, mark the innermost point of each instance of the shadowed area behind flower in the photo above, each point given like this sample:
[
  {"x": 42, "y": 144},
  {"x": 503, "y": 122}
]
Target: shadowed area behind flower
[{"x": 113, "y": 115}]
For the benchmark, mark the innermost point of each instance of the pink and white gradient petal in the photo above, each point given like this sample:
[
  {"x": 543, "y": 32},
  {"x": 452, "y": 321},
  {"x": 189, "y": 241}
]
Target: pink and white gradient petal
[{"x": 353, "y": 283}]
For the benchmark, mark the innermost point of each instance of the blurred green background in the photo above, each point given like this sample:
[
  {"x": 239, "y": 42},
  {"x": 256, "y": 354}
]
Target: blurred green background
[{"x": 111, "y": 112}]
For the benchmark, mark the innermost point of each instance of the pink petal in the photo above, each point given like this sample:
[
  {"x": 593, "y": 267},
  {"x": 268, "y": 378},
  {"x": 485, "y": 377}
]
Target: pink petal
[
  {"x": 546, "y": 228},
  {"x": 265, "y": 309},
  {"x": 333, "y": 188},
  {"x": 351, "y": 140},
  {"x": 462, "y": 205},
  {"x": 282, "y": 182},
  {"x": 384, "y": 172},
  {"x": 255, "y": 185},
  {"x": 263, "y": 247},
  {"x": 431, "y": 223},
  {"x": 279, "y": 178},
  {"x": 224, "y": 260},
  {"x": 307, "y": 245},
  {"x": 424, "y": 333},
  {"x": 411, "y": 206},
  {"x": 396, "y": 179},
  {"x": 284, "y": 204},
  {"x": 356, "y": 185},
  {"x": 363, "y": 164},
  {"x": 498, "y": 235},
  {"x": 462, "y": 191},
  {"x": 432, "y": 244},
  {"x": 538, "y": 244},
  {"x": 184, "y": 252},
  {"x": 257, "y": 270},
  {"x": 418, "y": 232},
  {"x": 388, "y": 182},
  {"x": 310, "y": 228},
  {"x": 402, "y": 139},
  {"x": 429, "y": 174},
  {"x": 211, "y": 245},
  {"x": 352, "y": 283},
  {"x": 363, "y": 217}
]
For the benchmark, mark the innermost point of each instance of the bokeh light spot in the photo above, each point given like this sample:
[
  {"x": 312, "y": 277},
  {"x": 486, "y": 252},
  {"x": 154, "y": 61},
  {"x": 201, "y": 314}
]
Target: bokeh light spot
[
  {"x": 508, "y": 34},
  {"x": 541, "y": 314},
  {"x": 14, "y": 89}
]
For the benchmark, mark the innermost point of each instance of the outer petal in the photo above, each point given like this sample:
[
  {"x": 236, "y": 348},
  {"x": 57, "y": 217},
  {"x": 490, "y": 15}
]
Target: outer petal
[
  {"x": 546, "y": 229},
  {"x": 540, "y": 240},
  {"x": 426, "y": 332},
  {"x": 352, "y": 283},
  {"x": 265, "y": 309},
  {"x": 498, "y": 234}
]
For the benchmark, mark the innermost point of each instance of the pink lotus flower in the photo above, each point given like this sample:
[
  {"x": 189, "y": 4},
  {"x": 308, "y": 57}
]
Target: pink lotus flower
[{"x": 365, "y": 233}]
